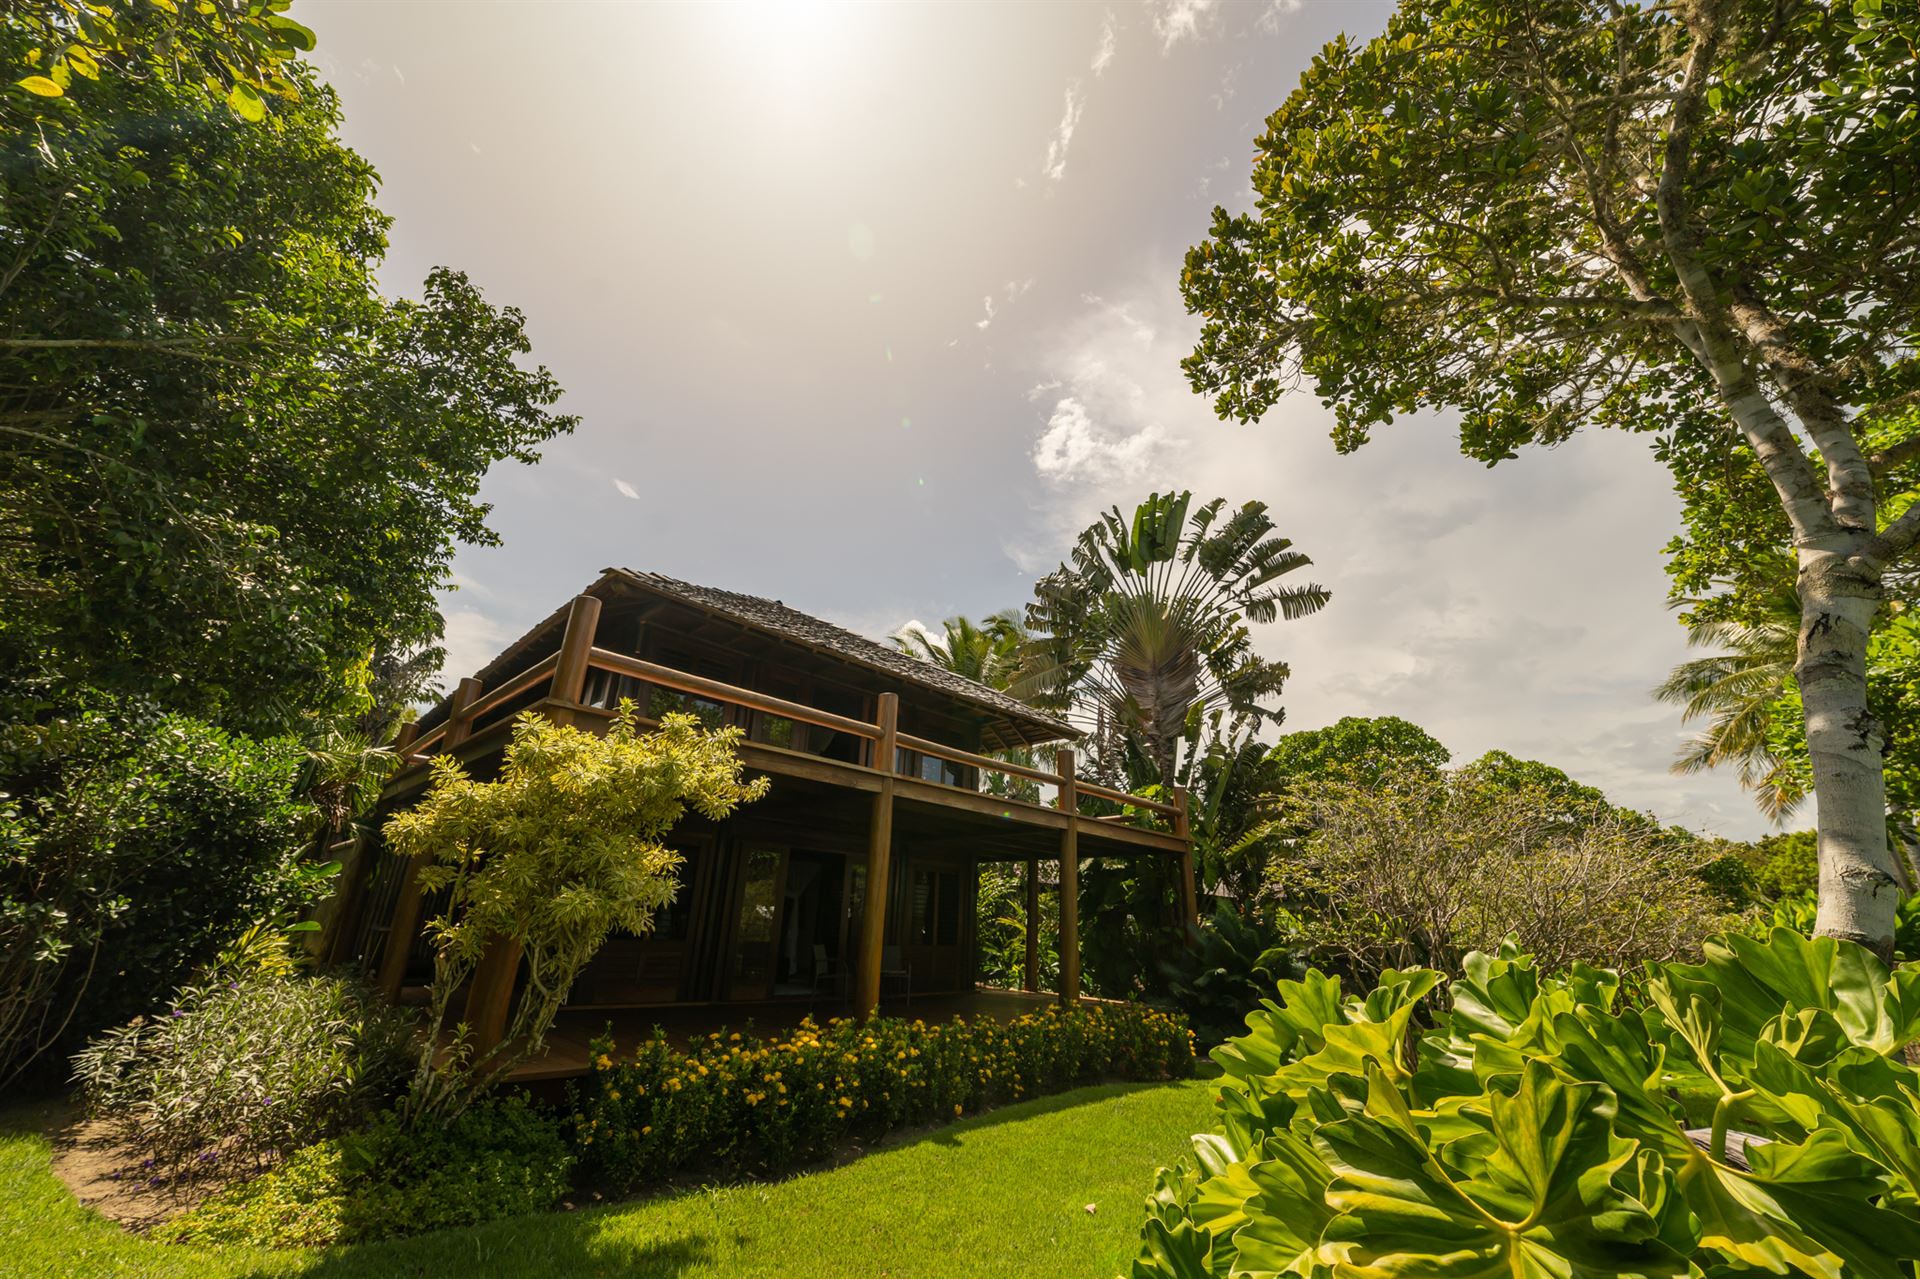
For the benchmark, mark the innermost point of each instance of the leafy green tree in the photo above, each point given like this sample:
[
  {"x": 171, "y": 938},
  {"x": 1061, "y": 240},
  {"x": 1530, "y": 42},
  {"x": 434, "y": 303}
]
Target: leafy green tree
[
  {"x": 1355, "y": 745},
  {"x": 1691, "y": 220},
  {"x": 230, "y": 470},
  {"x": 552, "y": 856},
  {"x": 1148, "y": 628}
]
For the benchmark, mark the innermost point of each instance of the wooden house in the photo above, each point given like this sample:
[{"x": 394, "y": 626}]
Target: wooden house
[{"x": 853, "y": 878}]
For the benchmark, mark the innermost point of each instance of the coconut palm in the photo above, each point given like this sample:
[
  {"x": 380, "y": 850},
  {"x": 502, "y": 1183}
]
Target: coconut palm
[
  {"x": 1738, "y": 691},
  {"x": 986, "y": 652},
  {"x": 1147, "y": 630}
]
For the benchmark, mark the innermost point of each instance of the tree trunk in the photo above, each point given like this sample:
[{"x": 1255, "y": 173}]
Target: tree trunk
[{"x": 1858, "y": 890}]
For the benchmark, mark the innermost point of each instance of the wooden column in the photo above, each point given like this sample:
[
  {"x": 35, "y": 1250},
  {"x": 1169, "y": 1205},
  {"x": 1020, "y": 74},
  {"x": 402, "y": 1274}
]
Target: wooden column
[
  {"x": 1069, "y": 803},
  {"x": 570, "y": 673},
  {"x": 406, "y": 907},
  {"x": 1030, "y": 976},
  {"x": 873, "y": 919},
  {"x": 490, "y": 994},
  {"x": 1189, "y": 896}
]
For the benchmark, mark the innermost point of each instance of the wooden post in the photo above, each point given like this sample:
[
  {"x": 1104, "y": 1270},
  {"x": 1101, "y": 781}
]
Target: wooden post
[
  {"x": 1069, "y": 803},
  {"x": 873, "y": 919},
  {"x": 406, "y": 907},
  {"x": 570, "y": 672},
  {"x": 408, "y": 734},
  {"x": 1030, "y": 976},
  {"x": 490, "y": 993},
  {"x": 1189, "y": 896}
]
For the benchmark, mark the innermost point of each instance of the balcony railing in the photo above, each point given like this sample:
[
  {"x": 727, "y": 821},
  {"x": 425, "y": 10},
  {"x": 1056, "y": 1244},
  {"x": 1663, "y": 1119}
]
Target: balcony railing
[{"x": 473, "y": 709}]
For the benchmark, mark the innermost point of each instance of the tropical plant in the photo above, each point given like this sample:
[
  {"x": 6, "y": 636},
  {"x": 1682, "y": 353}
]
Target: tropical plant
[
  {"x": 1682, "y": 219},
  {"x": 1412, "y": 865},
  {"x": 1147, "y": 629},
  {"x": 1754, "y": 1115},
  {"x": 548, "y": 860},
  {"x": 989, "y": 653},
  {"x": 1237, "y": 961},
  {"x": 1737, "y": 691},
  {"x": 134, "y": 845},
  {"x": 986, "y": 652},
  {"x": 245, "y": 1069},
  {"x": 1001, "y": 924}
]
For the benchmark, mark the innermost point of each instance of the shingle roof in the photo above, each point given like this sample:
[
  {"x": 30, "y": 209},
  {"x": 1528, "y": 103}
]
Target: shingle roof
[{"x": 775, "y": 617}]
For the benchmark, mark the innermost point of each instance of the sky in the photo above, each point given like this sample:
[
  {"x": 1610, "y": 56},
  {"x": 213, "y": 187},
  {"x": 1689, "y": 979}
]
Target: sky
[{"x": 871, "y": 308}]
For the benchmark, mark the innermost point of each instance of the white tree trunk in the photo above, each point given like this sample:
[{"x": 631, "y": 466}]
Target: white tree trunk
[{"x": 1858, "y": 889}]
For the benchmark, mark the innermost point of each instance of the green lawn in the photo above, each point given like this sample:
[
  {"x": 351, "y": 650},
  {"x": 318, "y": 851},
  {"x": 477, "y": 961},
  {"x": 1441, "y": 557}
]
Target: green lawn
[{"x": 1000, "y": 1195}]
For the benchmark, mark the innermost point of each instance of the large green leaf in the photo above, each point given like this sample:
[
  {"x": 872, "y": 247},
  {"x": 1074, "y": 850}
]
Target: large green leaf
[
  {"x": 1533, "y": 1197},
  {"x": 1753, "y": 981},
  {"x": 1285, "y": 1223},
  {"x": 1807, "y": 1208}
]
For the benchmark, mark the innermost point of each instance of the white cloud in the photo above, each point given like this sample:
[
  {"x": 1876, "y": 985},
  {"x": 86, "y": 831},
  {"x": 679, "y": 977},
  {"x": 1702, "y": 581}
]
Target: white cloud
[
  {"x": 1076, "y": 448},
  {"x": 1269, "y": 21},
  {"x": 1103, "y": 54},
  {"x": 1055, "y": 167},
  {"x": 627, "y": 490},
  {"x": 472, "y": 639},
  {"x": 1178, "y": 20},
  {"x": 988, "y": 319},
  {"x": 1519, "y": 608}
]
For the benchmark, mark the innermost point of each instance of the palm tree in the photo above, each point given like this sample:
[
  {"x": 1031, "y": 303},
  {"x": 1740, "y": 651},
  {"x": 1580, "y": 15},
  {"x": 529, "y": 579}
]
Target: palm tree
[
  {"x": 1146, "y": 632},
  {"x": 1737, "y": 692},
  {"x": 986, "y": 652}
]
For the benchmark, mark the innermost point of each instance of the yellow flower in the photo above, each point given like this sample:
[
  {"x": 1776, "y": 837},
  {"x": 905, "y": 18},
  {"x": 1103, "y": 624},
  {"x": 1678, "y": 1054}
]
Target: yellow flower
[{"x": 647, "y": 1131}]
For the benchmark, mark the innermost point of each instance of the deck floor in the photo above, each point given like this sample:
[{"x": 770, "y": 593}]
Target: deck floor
[{"x": 567, "y": 1043}]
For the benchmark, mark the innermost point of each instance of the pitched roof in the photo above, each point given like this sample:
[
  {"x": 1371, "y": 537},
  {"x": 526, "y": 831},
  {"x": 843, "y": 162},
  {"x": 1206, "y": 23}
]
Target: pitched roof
[{"x": 774, "y": 617}]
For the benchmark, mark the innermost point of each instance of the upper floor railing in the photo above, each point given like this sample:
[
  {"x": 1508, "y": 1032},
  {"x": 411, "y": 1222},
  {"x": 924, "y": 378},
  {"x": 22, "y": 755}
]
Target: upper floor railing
[{"x": 589, "y": 679}]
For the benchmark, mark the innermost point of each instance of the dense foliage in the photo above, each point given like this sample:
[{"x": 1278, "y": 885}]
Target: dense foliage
[
  {"x": 501, "y": 1158},
  {"x": 1754, "y": 1113},
  {"x": 1237, "y": 959},
  {"x": 245, "y": 1069},
  {"x": 1001, "y": 923},
  {"x": 232, "y": 478},
  {"x": 133, "y": 844},
  {"x": 230, "y": 468},
  {"x": 549, "y": 858},
  {"x": 1685, "y": 219},
  {"x": 770, "y": 1105},
  {"x": 1416, "y": 865}
]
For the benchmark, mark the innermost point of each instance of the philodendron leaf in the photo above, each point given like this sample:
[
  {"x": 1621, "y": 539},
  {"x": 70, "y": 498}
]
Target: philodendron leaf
[
  {"x": 1754, "y": 981},
  {"x": 1177, "y": 1251},
  {"x": 1534, "y": 1197},
  {"x": 1804, "y": 1208},
  {"x": 1282, "y": 1235}
]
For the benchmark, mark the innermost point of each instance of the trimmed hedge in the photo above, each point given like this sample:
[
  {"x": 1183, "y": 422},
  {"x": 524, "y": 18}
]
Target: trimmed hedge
[{"x": 768, "y": 1105}]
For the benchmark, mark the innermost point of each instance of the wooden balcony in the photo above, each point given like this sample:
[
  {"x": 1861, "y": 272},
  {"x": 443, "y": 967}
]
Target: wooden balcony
[
  {"x": 1049, "y": 821},
  {"x": 481, "y": 721}
]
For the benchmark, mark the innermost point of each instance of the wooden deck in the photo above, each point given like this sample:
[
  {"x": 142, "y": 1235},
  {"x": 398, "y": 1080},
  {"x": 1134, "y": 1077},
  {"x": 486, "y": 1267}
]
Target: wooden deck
[{"x": 567, "y": 1054}]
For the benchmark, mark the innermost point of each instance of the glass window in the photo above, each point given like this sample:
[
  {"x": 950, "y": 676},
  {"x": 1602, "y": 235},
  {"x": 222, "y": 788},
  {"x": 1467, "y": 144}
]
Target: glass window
[
  {"x": 662, "y": 702},
  {"x": 776, "y": 730}
]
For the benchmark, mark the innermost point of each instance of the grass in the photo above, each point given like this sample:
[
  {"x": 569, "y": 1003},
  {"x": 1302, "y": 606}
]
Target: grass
[{"x": 1003, "y": 1194}]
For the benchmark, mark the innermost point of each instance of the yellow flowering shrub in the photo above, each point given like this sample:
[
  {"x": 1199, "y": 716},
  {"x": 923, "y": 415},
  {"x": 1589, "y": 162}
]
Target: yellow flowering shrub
[{"x": 767, "y": 1105}]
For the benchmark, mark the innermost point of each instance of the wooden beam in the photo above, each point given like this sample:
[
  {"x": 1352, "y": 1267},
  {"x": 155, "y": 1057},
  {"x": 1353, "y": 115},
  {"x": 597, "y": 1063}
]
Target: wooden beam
[
  {"x": 1068, "y": 801},
  {"x": 1030, "y": 974},
  {"x": 873, "y": 920},
  {"x": 1189, "y": 896},
  {"x": 490, "y": 993},
  {"x": 460, "y": 712}
]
